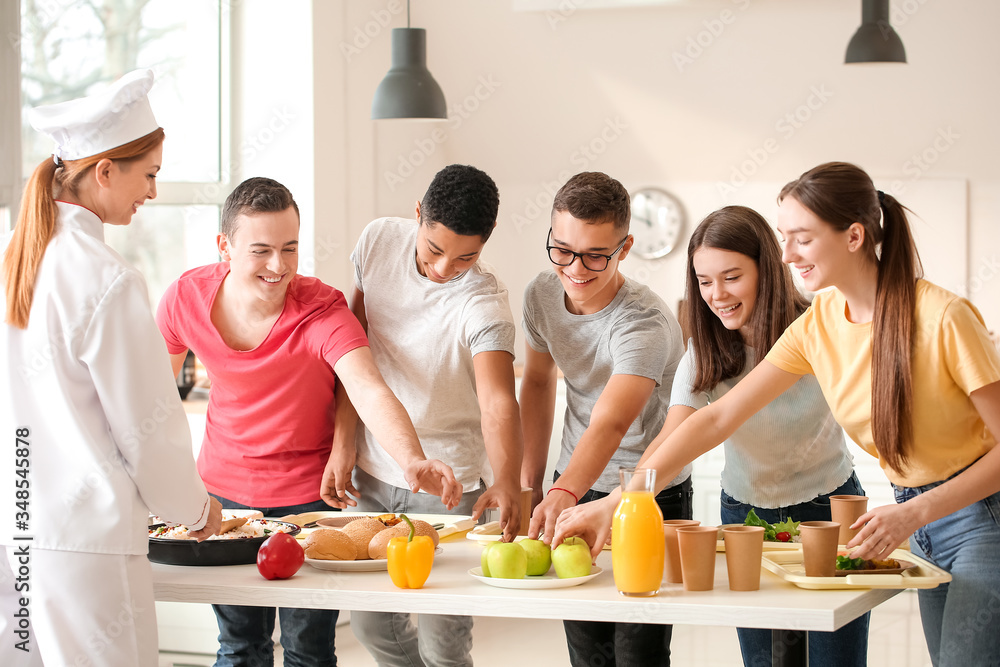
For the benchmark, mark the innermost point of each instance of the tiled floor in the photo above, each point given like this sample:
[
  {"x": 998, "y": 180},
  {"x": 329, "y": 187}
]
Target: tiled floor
[{"x": 896, "y": 640}]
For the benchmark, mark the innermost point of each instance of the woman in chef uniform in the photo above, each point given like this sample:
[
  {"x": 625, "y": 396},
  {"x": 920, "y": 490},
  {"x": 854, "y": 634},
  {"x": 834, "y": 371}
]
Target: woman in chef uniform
[{"x": 95, "y": 436}]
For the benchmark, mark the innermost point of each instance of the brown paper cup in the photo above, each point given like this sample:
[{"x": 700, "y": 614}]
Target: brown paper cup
[
  {"x": 845, "y": 510},
  {"x": 525, "y": 510},
  {"x": 697, "y": 548},
  {"x": 672, "y": 560},
  {"x": 744, "y": 548},
  {"x": 819, "y": 547}
]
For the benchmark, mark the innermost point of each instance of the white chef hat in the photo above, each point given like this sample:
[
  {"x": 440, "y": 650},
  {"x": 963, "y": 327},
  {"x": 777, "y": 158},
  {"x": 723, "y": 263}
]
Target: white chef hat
[{"x": 97, "y": 123}]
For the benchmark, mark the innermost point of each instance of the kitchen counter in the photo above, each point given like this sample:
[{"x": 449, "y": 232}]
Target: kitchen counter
[{"x": 450, "y": 589}]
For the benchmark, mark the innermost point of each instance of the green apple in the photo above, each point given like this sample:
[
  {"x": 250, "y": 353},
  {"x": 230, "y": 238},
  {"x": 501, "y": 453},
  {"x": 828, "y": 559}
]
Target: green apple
[
  {"x": 507, "y": 560},
  {"x": 483, "y": 564},
  {"x": 572, "y": 558},
  {"x": 539, "y": 556}
]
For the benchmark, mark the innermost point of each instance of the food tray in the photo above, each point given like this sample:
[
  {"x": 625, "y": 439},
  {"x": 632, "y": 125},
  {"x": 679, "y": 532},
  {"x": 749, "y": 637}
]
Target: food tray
[
  {"x": 788, "y": 565},
  {"x": 209, "y": 552}
]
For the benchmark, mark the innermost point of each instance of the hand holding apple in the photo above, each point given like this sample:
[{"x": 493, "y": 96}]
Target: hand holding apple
[
  {"x": 572, "y": 558},
  {"x": 507, "y": 560},
  {"x": 539, "y": 556}
]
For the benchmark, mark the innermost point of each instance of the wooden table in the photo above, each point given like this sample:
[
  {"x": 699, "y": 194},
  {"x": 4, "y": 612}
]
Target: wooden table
[{"x": 450, "y": 589}]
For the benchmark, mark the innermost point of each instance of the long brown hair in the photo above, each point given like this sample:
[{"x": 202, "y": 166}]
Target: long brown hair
[
  {"x": 719, "y": 351},
  {"x": 841, "y": 194},
  {"x": 36, "y": 220}
]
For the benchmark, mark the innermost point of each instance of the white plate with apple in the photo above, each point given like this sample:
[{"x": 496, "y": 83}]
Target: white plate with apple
[
  {"x": 491, "y": 532},
  {"x": 548, "y": 580}
]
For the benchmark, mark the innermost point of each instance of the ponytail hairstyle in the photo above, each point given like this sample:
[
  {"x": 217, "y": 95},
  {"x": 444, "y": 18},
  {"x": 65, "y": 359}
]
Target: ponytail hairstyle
[
  {"x": 841, "y": 194},
  {"x": 719, "y": 352},
  {"x": 36, "y": 220}
]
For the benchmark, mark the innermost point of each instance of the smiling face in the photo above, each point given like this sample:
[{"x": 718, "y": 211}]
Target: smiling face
[
  {"x": 588, "y": 291},
  {"x": 728, "y": 284},
  {"x": 442, "y": 254},
  {"x": 263, "y": 254},
  {"x": 818, "y": 252},
  {"x": 132, "y": 182}
]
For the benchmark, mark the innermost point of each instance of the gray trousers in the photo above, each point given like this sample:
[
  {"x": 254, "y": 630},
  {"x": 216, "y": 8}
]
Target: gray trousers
[{"x": 393, "y": 639}]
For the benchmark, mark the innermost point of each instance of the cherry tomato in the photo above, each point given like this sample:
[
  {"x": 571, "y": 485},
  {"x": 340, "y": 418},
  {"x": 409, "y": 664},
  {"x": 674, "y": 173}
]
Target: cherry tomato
[
  {"x": 783, "y": 537},
  {"x": 280, "y": 557}
]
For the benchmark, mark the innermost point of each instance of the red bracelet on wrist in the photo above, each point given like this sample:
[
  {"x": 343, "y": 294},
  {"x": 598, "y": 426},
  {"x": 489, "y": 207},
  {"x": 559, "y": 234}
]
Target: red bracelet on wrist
[{"x": 559, "y": 488}]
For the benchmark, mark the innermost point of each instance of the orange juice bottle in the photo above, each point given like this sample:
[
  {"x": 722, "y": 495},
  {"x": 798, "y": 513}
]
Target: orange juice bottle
[{"x": 637, "y": 535}]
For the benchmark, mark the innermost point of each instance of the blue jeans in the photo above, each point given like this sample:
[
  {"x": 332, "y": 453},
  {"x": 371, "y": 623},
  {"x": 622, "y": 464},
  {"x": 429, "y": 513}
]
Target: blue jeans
[
  {"x": 307, "y": 635},
  {"x": 847, "y": 646},
  {"x": 961, "y": 619},
  {"x": 603, "y": 644},
  {"x": 392, "y": 638}
]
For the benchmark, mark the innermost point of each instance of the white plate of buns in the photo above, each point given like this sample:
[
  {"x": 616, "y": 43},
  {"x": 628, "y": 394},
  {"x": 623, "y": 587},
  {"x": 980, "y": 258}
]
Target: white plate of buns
[{"x": 359, "y": 546}]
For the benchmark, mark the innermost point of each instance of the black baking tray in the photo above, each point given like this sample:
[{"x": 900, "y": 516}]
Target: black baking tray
[{"x": 209, "y": 552}]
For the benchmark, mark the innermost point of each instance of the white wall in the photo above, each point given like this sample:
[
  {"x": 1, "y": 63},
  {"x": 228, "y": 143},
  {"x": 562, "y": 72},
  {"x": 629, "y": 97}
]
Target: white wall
[{"x": 537, "y": 96}]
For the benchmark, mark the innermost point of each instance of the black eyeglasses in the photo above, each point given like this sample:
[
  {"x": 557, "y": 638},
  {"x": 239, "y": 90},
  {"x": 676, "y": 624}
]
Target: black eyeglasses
[{"x": 592, "y": 261}]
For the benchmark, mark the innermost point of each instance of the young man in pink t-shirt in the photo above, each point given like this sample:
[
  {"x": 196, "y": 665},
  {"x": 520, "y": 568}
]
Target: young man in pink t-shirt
[{"x": 275, "y": 344}]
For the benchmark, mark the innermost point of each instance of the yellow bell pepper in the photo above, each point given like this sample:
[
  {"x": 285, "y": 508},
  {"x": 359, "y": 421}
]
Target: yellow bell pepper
[{"x": 410, "y": 558}]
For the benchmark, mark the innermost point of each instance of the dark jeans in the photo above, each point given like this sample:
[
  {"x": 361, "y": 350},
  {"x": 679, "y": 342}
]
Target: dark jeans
[
  {"x": 847, "y": 647},
  {"x": 601, "y": 644},
  {"x": 307, "y": 635}
]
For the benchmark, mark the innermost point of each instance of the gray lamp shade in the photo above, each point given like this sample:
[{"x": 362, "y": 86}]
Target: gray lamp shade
[
  {"x": 876, "y": 40},
  {"x": 408, "y": 89}
]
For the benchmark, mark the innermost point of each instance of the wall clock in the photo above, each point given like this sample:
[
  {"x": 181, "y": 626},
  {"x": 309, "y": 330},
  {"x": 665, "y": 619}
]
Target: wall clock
[{"x": 657, "y": 222}]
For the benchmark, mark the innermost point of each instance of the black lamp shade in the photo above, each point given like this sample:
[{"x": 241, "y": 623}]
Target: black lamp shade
[
  {"x": 408, "y": 89},
  {"x": 876, "y": 40}
]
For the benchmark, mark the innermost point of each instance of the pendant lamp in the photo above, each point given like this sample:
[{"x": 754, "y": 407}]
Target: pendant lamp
[
  {"x": 408, "y": 89},
  {"x": 875, "y": 41}
]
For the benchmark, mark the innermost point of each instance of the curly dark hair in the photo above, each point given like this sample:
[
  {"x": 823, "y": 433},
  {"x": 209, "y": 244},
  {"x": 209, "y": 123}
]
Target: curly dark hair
[
  {"x": 255, "y": 195},
  {"x": 595, "y": 198},
  {"x": 463, "y": 199}
]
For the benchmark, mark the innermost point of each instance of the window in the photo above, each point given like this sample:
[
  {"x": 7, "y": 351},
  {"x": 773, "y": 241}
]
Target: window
[{"x": 69, "y": 49}]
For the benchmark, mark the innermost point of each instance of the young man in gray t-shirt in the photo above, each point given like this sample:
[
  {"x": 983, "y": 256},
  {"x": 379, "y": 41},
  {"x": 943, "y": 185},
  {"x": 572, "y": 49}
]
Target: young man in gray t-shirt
[{"x": 618, "y": 345}]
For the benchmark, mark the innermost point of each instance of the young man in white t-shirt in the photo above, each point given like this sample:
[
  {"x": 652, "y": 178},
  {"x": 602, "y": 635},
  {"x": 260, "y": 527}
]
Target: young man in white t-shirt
[{"x": 441, "y": 331}]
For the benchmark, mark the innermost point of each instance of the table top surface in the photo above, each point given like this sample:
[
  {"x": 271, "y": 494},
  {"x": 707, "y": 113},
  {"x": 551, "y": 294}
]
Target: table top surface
[{"x": 452, "y": 590}]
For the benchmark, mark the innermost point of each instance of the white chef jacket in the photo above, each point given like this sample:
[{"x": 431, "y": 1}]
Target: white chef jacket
[{"x": 90, "y": 378}]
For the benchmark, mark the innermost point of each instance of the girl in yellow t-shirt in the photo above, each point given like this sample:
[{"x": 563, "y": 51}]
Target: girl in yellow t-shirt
[{"x": 909, "y": 372}]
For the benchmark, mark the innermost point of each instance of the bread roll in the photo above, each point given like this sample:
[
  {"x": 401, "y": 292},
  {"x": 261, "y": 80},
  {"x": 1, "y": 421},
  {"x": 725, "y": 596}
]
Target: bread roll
[
  {"x": 330, "y": 544},
  {"x": 379, "y": 545},
  {"x": 361, "y": 532}
]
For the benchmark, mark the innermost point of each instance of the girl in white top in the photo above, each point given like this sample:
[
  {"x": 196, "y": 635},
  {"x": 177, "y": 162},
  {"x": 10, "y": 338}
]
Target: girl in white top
[
  {"x": 787, "y": 460},
  {"x": 88, "y": 392}
]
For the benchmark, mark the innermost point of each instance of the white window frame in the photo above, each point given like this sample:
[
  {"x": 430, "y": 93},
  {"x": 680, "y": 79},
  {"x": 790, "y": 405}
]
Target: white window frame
[
  {"x": 211, "y": 193},
  {"x": 11, "y": 181}
]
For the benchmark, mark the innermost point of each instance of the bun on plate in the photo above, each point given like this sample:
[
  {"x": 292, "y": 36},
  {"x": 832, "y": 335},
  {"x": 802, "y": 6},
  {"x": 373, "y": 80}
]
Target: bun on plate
[
  {"x": 330, "y": 544},
  {"x": 379, "y": 545},
  {"x": 361, "y": 532}
]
